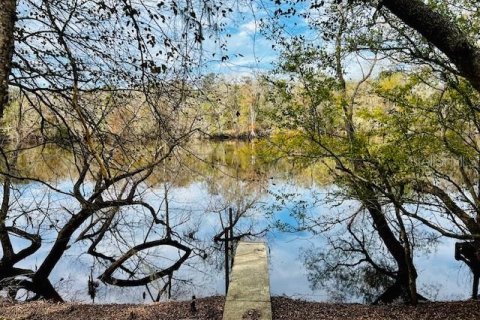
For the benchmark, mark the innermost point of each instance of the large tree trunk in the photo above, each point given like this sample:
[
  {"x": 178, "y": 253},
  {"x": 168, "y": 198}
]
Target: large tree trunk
[
  {"x": 405, "y": 282},
  {"x": 443, "y": 33},
  {"x": 7, "y": 24},
  {"x": 404, "y": 286}
]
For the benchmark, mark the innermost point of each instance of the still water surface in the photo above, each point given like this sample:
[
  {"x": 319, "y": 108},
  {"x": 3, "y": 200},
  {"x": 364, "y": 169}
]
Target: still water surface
[{"x": 198, "y": 191}]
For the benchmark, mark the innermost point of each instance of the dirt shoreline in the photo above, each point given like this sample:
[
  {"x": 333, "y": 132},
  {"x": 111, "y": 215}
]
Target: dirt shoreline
[{"x": 212, "y": 308}]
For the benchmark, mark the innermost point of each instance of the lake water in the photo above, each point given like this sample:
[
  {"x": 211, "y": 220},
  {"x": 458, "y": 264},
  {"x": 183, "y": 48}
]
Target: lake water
[{"x": 199, "y": 190}]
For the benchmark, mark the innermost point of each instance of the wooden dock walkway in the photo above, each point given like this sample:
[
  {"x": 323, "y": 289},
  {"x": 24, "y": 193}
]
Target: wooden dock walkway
[{"x": 249, "y": 291}]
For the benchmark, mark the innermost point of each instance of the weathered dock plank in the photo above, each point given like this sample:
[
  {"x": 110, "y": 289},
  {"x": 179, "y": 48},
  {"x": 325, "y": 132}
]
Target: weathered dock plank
[{"x": 249, "y": 291}]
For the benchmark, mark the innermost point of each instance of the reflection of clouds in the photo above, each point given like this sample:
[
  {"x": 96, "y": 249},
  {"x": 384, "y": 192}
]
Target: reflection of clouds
[
  {"x": 442, "y": 270},
  {"x": 288, "y": 275},
  {"x": 438, "y": 271}
]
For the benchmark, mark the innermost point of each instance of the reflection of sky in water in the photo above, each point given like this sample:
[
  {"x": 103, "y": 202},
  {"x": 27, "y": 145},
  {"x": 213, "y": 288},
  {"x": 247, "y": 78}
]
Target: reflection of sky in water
[{"x": 288, "y": 275}]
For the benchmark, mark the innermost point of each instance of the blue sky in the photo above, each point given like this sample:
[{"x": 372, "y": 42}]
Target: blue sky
[
  {"x": 248, "y": 50},
  {"x": 251, "y": 53}
]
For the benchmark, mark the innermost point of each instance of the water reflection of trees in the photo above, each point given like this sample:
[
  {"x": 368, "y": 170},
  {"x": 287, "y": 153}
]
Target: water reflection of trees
[{"x": 121, "y": 232}]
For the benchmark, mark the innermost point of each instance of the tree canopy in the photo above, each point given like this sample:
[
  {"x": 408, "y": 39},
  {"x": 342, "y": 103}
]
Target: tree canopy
[{"x": 120, "y": 87}]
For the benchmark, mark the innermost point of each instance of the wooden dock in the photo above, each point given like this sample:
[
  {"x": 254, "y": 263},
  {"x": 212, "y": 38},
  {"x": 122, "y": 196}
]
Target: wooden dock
[{"x": 249, "y": 291}]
